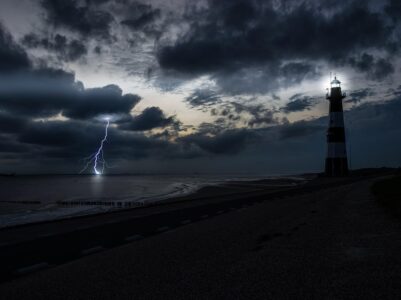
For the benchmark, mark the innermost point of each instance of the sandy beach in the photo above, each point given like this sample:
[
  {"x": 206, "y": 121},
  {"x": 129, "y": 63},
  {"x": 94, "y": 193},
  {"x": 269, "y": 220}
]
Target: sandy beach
[{"x": 329, "y": 240}]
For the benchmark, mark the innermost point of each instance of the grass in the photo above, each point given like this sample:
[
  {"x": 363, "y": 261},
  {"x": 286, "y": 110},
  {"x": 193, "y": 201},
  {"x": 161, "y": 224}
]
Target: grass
[{"x": 388, "y": 193}]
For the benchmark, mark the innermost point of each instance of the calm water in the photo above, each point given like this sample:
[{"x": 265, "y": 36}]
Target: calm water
[{"x": 49, "y": 190}]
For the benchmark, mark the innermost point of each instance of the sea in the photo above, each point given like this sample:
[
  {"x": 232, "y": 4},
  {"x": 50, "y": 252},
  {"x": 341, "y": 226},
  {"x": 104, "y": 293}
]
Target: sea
[{"x": 35, "y": 198}]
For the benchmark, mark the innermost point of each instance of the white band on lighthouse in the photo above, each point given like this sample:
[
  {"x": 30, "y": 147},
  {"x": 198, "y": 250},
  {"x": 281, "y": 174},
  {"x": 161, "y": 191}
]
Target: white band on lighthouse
[
  {"x": 336, "y": 119},
  {"x": 336, "y": 150}
]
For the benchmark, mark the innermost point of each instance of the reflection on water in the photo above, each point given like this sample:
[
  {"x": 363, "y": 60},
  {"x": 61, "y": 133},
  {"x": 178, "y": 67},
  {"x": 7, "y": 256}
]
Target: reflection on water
[{"x": 96, "y": 184}]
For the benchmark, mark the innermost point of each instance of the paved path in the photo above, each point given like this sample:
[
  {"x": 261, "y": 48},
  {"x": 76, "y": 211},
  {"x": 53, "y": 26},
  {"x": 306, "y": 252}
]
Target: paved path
[{"x": 333, "y": 244}]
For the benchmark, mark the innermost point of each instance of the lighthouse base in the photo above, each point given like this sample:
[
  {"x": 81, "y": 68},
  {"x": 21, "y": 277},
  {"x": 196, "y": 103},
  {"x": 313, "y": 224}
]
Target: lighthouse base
[{"x": 336, "y": 166}]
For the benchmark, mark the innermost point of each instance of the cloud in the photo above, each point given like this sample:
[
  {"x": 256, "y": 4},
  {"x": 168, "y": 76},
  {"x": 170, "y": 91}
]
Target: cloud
[
  {"x": 358, "y": 95},
  {"x": 304, "y": 32},
  {"x": 375, "y": 68},
  {"x": 228, "y": 142},
  {"x": 264, "y": 79},
  {"x": 296, "y": 72},
  {"x": 140, "y": 15},
  {"x": 9, "y": 123},
  {"x": 259, "y": 115},
  {"x": 301, "y": 129},
  {"x": 298, "y": 102},
  {"x": 66, "y": 50},
  {"x": 393, "y": 9},
  {"x": 85, "y": 19},
  {"x": 295, "y": 147},
  {"x": 202, "y": 98},
  {"x": 245, "y": 47},
  {"x": 59, "y": 134},
  {"x": 30, "y": 95},
  {"x": 107, "y": 100},
  {"x": 36, "y": 93},
  {"x": 12, "y": 56},
  {"x": 150, "y": 118},
  {"x": 239, "y": 113},
  {"x": 72, "y": 140},
  {"x": 301, "y": 145},
  {"x": 10, "y": 148},
  {"x": 49, "y": 92},
  {"x": 244, "y": 44},
  {"x": 383, "y": 68}
]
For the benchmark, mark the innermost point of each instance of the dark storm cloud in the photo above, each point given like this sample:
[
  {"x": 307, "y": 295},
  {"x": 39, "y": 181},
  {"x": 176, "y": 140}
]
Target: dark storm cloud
[
  {"x": 239, "y": 32},
  {"x": 381, "y": 120},
  {"x": 233, "y": 113},
  {"x": 393, "y": 9},
  {"x": 68, "y": 141},
  {"x": 264, "y": 79},
  {"x": 140, "y": 15},
  {"x": 225, "y": 143},
  {"x": 97, "y": 101},
  {"x": 11, "y": 148},
  {"x": 48, "y": 92},
  {"x": 44, "y": 73},
  {"x": 230, "y": 36},
  {"x": 59, "y": 134},
  {"x": 66, "y": 50},
  {"x": 298, "y": 102},
  {"x": 260, "y": 115},
  {"x": 383, "y": 68},
  {"x": 96, "y": 2},
  {"x": 38, "y": 92},
  {"x": 12, "y": 56},
  {"x": 296, "y": 72},
  {"x": 202, "y": 98},
  {"x": 83, "y": 18},
  {"x": 76, "y": 139},
  {"x": 375, "y": 68},
  {"x": 245, "y": 46},
  {"x": 394, "y": 92},
  {"x": 301, "y": 129},
  {"x": 97, "y": 50},
  {"x": 150, "y": 118},
  {"x": 359, "y": 95},
  {"x": 10, "y": 123}
]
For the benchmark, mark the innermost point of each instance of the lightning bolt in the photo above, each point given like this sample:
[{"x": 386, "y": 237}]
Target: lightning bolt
[{"x": 98, "y": 157}]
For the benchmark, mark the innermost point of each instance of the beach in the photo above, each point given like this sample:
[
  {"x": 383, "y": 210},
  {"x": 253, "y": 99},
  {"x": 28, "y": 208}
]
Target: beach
[{"x": 326, "y": 239}]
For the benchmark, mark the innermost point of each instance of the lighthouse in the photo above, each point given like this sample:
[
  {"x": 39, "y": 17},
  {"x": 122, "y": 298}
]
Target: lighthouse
[{"x": 336, "y": 159}]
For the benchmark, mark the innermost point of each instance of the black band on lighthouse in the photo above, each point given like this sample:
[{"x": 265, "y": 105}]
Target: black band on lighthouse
[{"x": 336, "y": 135}]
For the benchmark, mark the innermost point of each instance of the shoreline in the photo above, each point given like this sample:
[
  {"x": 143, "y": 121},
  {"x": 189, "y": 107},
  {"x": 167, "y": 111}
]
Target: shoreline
[
  {"x": 219, "y": 192},
  {"x": 202, "y": 191}
]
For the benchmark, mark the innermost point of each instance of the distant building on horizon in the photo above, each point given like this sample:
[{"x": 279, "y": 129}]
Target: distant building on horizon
[{"x": 336, "y": 159}]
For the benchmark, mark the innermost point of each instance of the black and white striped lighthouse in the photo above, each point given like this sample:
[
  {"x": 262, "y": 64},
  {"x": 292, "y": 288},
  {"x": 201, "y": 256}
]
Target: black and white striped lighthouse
[{"x": 336, "y": 160}]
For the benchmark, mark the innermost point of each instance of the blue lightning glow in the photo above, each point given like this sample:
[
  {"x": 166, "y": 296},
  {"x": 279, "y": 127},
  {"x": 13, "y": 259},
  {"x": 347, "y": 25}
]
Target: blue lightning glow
[{"x": 98, "y": 158}]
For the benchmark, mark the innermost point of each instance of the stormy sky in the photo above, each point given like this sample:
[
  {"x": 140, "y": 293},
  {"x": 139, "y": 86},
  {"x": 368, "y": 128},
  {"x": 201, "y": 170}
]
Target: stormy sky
[{"x": 212, "y": 86}]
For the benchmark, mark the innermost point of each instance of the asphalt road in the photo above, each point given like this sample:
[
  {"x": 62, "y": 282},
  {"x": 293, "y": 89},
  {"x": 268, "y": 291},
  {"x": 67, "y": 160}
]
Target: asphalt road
[{"x": 330, "y": 243}]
